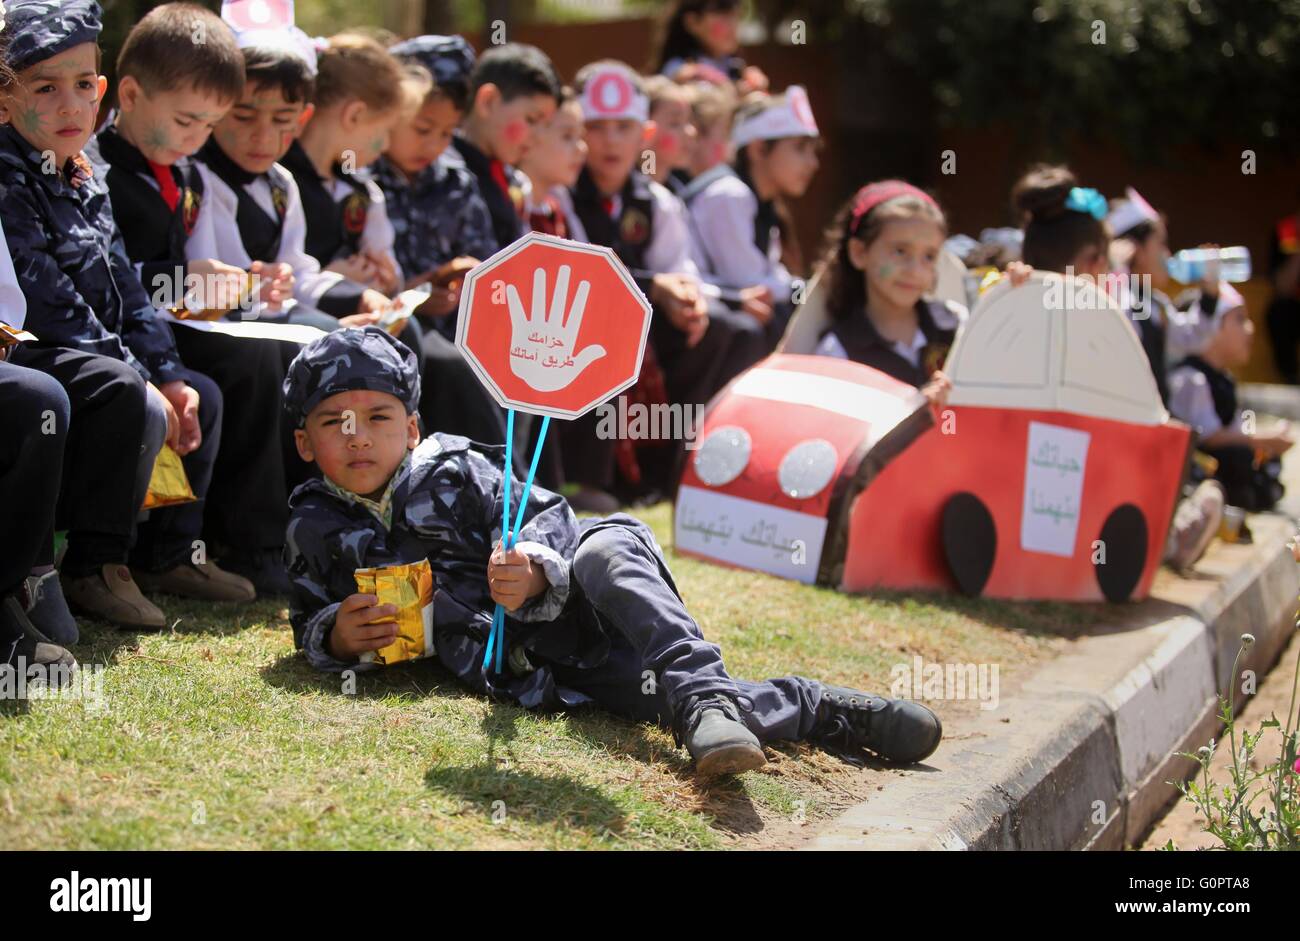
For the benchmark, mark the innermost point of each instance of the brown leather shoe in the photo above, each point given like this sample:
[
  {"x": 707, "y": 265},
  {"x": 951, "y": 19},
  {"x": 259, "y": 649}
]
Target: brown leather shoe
[
  {"x": 112, "y": 595},
  {"x": 206, "y": 582}
]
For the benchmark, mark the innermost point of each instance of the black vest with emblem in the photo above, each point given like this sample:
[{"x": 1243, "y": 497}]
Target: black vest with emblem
[
  {"x": 629, "y": 235},
  {"x": 154, "y": 233},
  {"x": 865, "y": 345},
  {"x": 334, "y": 228},
  {"x": 259, "y": 231}
]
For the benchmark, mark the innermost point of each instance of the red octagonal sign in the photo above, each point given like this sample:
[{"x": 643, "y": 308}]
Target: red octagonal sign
[{"x": 553, "y": 327}]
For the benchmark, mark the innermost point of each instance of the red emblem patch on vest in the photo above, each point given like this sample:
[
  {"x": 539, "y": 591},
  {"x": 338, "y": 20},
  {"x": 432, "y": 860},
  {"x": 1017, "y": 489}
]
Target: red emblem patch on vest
[
  {"x": 190, "y": 204},
  {"x": 932, "y": 358},
  {"x": 634, "y": 228},
  {"x": 354, "y": 214},
  {"x": 280, "y": 200}
]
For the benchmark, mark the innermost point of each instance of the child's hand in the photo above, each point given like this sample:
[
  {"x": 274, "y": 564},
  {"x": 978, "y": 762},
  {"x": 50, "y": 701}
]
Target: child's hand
[
  {"x": 752, "y": 79},
  {"x": 222, "y": 284},
  {"x": 441, "y": 302},
  {"x": 372, "y": 302},
  {"x": 358, "y": 268},
  {"x": 383, "y": 273},
  {"x": 513, "y": 579},
  {"x": 937, "y": 389},
  {"x": 1210, "y": 277},
  {"x": 275, "y": 283},
  {"x": 1018, "y": 273},
  {"x": 680, "y": 298},
  {"x": 353, "y": 634},
  {"x": 757, "y": 302}
]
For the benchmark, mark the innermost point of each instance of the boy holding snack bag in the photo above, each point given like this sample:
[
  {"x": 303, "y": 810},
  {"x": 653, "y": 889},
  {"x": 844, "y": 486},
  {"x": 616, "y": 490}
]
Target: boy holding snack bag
[{"x": 593, "y": 614}]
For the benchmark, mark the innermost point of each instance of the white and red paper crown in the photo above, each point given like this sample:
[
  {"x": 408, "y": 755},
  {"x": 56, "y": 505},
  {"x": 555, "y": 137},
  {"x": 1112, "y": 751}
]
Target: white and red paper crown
[
  {"x": 1133, "y": 211},
  {"x": 268, "y": 24},
  {"x": 610, "y": 94},
  {"x": 789, "y": 115}
]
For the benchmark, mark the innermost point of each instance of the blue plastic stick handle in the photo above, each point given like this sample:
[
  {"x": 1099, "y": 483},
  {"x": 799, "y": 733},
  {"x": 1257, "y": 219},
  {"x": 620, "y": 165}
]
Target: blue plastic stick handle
[
  {"x": 528, "y": 484},
  {"x": 497, "y": 638}
]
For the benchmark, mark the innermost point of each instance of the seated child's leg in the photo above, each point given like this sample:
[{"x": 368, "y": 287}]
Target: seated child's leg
[
  {"x": 167, "y": 538},
  {"x": 107, "y": 398},
  {"x": 247, "y": 505},
  {"x": 749, "y": 342},
  {"x": 35, "y": 421},
  {"x": 155, "y": 436},
  {"x": 588, "y": 459}
]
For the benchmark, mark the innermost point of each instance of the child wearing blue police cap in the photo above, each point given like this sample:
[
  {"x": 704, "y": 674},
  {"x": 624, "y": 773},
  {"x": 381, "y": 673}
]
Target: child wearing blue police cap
[
  {"x": 440, "y": 221},
  {"x": 84, "y": 297},
  {"x": 592, "y": 607}
]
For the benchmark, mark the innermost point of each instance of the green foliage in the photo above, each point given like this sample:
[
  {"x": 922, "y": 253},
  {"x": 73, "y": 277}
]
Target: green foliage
[
  {"x": 1145, "y": 72},
  {"x": 1258, "y": 809}
]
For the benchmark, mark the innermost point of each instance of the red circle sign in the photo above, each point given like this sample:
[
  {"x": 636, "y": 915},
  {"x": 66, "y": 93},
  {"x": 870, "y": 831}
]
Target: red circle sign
[{"x": 553, "y": 327}]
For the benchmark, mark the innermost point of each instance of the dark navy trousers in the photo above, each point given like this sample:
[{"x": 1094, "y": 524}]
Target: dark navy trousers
[{"x": 658, "y": 655}]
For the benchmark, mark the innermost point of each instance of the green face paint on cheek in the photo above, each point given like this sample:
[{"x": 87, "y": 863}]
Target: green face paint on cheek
[
  {"x": 885, "y": 272},
  {"x": 155, "y": 138},
  {"x": 30, "y": 120}
]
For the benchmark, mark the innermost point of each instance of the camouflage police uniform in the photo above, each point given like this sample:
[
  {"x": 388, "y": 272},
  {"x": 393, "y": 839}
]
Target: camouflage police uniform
[
  {"x": 437, "y": 216},
  {"x": 440, "y": 215},
  {"x": 610, "y": 627}
]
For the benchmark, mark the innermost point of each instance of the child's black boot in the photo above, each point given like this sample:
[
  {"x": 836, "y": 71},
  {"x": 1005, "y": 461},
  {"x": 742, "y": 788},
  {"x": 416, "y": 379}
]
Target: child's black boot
[
  {"x": 850, "y": 721},
  {"x": 717, "y": 739}
]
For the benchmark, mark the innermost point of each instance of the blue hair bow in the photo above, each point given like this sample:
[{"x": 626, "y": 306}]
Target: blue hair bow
[{"x": 1087, "y": 200}]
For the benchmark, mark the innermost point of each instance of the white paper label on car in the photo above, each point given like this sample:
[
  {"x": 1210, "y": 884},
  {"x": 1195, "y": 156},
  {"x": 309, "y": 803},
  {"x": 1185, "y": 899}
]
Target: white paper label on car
[
  {"x": 749, "y": 534},
  {"x": 1054, "y": 467}
]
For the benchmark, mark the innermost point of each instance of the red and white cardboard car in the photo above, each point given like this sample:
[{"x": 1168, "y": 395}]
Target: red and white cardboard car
[{"x": 1053, "y": 472}]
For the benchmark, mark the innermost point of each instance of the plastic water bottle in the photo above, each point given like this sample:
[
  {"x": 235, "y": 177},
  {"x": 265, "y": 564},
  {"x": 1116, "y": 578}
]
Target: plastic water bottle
[{"x": 1189, "y": 265}]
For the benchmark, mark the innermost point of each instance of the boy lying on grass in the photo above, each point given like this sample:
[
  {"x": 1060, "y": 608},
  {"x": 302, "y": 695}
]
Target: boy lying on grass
[{"x": 593, "y": 613}]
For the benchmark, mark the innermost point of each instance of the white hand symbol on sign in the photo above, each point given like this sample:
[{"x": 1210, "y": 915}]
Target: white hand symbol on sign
[{"x": 543, "y": 347}]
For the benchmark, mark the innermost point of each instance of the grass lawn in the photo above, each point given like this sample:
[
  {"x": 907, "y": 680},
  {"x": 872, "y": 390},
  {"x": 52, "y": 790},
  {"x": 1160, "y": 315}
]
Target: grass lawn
[{"x": 217, "y": 735}]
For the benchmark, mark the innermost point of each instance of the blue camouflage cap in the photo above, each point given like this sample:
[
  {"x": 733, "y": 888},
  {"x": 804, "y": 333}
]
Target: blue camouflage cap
[
  {"x": 448, "y": 58},
  {"x": 347, "y": 359},
  {"x": 36, "y": 30}
]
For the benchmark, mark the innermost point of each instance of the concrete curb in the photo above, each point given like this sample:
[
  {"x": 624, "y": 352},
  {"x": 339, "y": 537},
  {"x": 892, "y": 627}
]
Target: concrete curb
[{"x": 1080, "y": 757}]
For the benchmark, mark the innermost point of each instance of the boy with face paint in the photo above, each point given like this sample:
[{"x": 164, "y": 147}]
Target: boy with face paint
[
  {"x": 357, "y": 101},
  {"x": 172, "y": 92},
  {"x": 84, "y": 296},
  {"x": 696, "y": 343},
  {"x": 434, "y": 202},
  {"x": 592, "y": 609},
  {"x": 512, "y": 90}
]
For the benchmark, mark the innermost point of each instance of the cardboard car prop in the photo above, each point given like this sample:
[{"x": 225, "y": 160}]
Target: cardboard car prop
[{"x": 1052, "y": 473}]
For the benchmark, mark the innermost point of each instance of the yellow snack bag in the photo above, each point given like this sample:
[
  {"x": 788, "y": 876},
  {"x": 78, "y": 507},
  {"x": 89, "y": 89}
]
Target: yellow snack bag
[
  {"x": 410, "y": 588},
  {"x": 168, "y": 484}
]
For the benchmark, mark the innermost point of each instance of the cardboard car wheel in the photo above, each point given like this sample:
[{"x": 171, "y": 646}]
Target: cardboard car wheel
[
  {"x": 970, "y": 541},
  {"x": 1123, "y": 541}
]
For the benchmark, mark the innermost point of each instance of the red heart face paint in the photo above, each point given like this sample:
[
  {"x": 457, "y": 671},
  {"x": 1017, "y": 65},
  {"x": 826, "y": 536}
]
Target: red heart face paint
[
  {"x": 668, "y": 143},
  {"x": 515, "y": 132}
]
